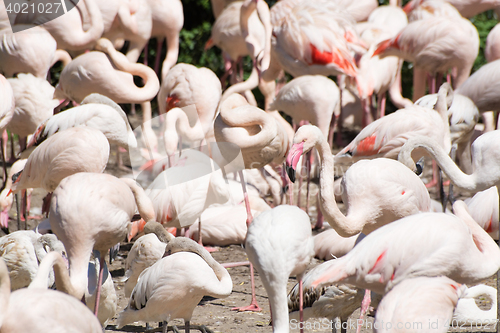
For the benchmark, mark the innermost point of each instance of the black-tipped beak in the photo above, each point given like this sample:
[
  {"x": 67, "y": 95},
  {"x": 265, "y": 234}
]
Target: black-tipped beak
[
  {"x": 291, "y": 173},
  {"x": 419, "y": 166}
]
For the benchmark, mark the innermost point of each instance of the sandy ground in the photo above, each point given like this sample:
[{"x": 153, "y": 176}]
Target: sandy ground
[{"x": 216, "y": 313}]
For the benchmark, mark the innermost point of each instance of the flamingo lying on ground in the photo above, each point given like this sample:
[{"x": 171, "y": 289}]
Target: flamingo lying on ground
[{"x": 184, "y": 276}]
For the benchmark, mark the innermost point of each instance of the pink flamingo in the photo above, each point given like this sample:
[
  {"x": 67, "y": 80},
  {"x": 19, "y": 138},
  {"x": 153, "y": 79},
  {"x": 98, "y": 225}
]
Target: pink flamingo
[
  {"x": 279, "y": 244},
  {"x": 435, "y": 45}
]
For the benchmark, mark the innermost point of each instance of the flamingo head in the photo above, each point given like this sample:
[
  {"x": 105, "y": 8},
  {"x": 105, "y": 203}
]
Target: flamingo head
[
  {"x": 411, "y": 6},
  {"x": 305, "y": 139}
]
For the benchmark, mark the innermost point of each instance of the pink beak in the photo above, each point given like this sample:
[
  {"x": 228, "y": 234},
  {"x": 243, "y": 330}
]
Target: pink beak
[{"x": 293, "y": 158}]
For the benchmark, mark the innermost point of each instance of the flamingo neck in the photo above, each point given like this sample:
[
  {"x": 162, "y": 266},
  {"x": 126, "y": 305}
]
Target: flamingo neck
[
  {"x": 279, "y": 308},
  {"x": 329, "y": 208},
  {"x": 78, "y": 274},
  {"x": 457, "y": 177}
]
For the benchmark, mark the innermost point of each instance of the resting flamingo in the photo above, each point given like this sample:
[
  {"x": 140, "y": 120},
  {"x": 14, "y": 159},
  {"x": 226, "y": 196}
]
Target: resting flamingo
[
  {"x": 49, "y": 310},
  {"x": 468, "y": 313},
  {"x": 184, "y": 276},
  {"x": 382, "y": 259},
  {"x": 278, "y": 254},
  {"x": 425, "y": 303},
  {"x": 108, "y": 73},
  {"x": 115, "y": 201}
]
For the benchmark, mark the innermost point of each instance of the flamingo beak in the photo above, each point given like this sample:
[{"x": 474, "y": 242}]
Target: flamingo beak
[
  {"x": 172, "y": 102},
  {"x": 293, "y": 158}
]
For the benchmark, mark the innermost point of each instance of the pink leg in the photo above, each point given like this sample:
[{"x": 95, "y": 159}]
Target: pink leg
[
  {"x": 301, "y": 306},
  {"x": 146, "y": 54},
  {"x": 208, "y": 248},
  {"x": 381, "y": 105},
  {"x": 434, "y": 181},
  {"x": 309, "y": 168},
  {"x": 159, "y": 46},
  {"x": 364, "y": 307},
  {"x": 319, "y": 218},
  {"x": 99, "y": 283},
  {"x": 253, "y": 305}
]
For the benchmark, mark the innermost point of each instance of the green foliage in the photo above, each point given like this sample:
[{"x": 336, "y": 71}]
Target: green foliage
[{"x": 483, "y": 22}]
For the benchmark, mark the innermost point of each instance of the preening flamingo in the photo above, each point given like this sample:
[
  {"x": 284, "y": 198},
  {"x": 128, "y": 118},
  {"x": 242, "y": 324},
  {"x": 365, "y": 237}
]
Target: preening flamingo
[
  {"x": 146, "y": 251},
  {"x": 387, "y": 256},
  {"x": 96, "y": 111},
  {"x": 40, "y": 309},
  {"x": 419, "y": 304},
  {"x": 22, "y": 251},
  {"x": 173, "y": 286},
  {"x": 108, "y": 73},
  {"x": 468, "y": 313},
  {"x": 109, "y": 206},
  {"x": 376, "y": 192},
  {"x": 197, "y": 91},
  {"x": 29, "y": 51}
]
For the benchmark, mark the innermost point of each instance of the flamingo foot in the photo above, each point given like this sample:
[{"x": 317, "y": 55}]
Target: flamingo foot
[
  {"x": 431, "y": 184},
  {"x": 254, "y": 307}
]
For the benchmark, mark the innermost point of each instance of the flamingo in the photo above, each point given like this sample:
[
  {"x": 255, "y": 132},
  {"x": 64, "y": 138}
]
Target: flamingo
[
  {"x": 483, "y": 208},
  {"x": 420, "y": 10},
  {"x": 49, "y": 310},
  {"x": 22, "y": 251},
  {"x": 78, "y": 149},
  {"x": 6, "y": 113},
  {"x": 96, "y": 111},
  {"x": 108, "y": 298},
  {"x": 435, "y": 45},
  {"x": 382, "y": 139},
  {"x": 314, "y": 98},
  {"x": 386, "y": 257},
  {"x": 110, "y": 206},
  {"x": 197, "y": 91},
  {"x": 146, "y": 251},
  {"x": 34, "y": 103},
  {"x": 330, "y": 245},
  {"x": 7, "y": 200},
  {"x": 485, "y": 153},
  {"x": 421, "y": 304},
  {"x": 108, "y": 73},
  {"x": 470, "y": 8},
  {"x": 32, "y": 51},
  {"x": 468, "y": 313},
  {"x": 278, "y": 255},
  {"x": 491, "y": 49},
  {"x": 391, "y": 192},
  {"x": 184, "y": 276},
  {"x": 258, "y": 137}
]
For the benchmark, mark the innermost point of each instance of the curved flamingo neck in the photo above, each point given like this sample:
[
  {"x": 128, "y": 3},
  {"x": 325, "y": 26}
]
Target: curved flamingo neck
[
  {"x": 331, "y": 212},
  {"x": 143, "y": 202},
  {"x": 151, "y": 83},
  {"x": 449, "y": 167},
  {"x": 251, "y": 83},
  {"x": 279, "y": 308},
  {"x": 176, "y": 118},
  {"x": 153, "y": 227}
]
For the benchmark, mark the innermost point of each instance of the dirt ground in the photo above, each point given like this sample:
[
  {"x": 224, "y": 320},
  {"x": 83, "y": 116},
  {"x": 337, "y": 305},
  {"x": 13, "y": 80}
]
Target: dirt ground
[{"x": 216, "y": 314}]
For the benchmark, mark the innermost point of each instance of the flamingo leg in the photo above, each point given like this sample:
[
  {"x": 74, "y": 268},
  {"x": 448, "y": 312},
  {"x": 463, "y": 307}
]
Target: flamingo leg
[
  {"x": 309, "y": 167},
  {"x": 364, "y": 307},
  {"x": 382, "y": 98},
  {"x": 159, "y": 45},
  {"x": 319, "y": 216},
  {"x": 99, "y": 283},
  {"x": 253, "y": 305},
  {"x": 16, "y": 197}
]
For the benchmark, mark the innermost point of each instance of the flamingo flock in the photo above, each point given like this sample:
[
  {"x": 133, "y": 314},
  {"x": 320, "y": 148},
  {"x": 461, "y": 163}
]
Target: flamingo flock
[{"x": 213, "y": 164}]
